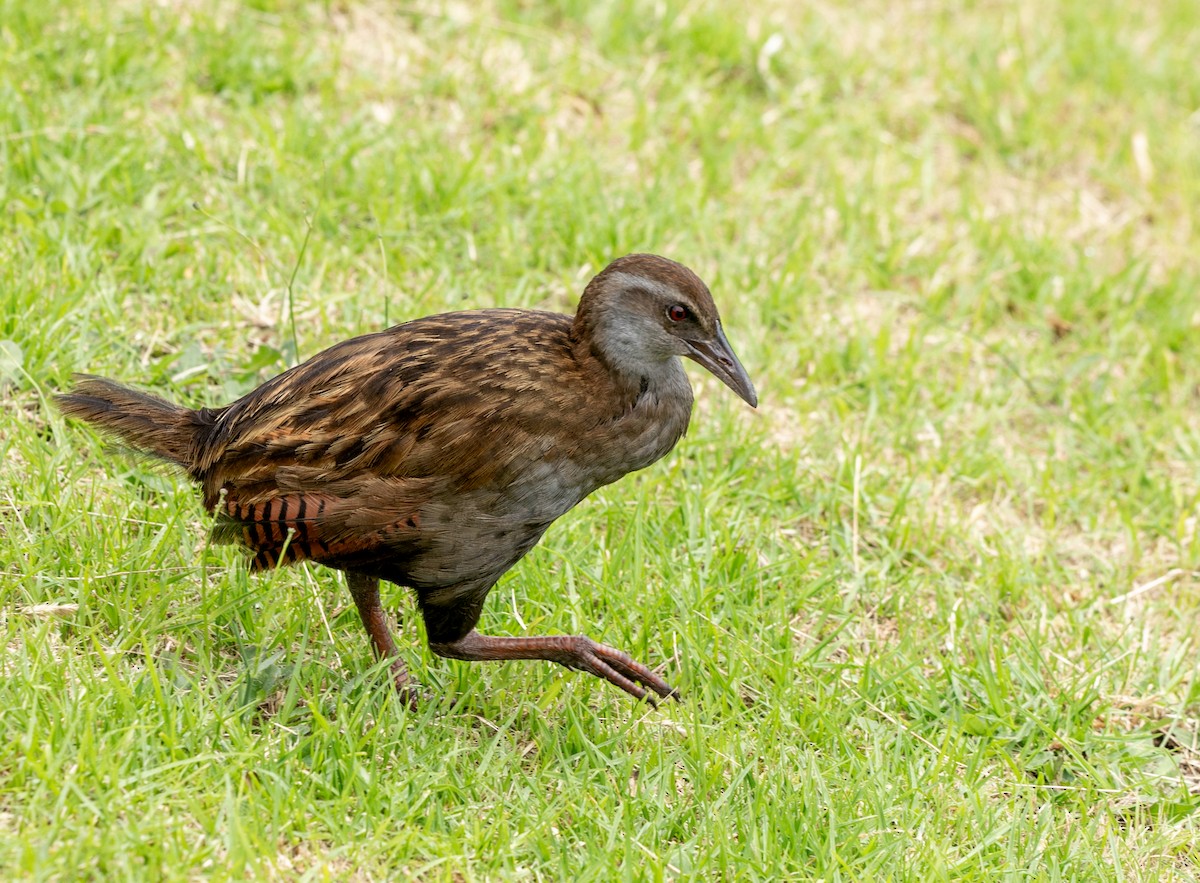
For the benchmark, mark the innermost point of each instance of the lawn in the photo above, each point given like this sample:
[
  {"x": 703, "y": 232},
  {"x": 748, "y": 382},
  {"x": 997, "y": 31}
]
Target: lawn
[{"x": 934, "y": 605}]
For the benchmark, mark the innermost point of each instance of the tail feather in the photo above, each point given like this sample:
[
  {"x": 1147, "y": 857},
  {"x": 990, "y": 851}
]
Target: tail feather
[{"x": 143, "y": 421}]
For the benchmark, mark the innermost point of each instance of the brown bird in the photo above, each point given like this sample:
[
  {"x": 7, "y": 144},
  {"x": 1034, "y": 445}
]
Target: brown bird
[{"x": 436, "y": 453}]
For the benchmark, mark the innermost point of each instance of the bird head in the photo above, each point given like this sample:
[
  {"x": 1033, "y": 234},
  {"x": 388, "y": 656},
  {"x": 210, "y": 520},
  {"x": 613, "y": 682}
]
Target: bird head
[{"x": 642, "y": 310}]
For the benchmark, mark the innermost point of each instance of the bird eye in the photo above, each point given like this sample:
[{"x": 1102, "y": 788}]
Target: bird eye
[{"x": 677, "y": 312}]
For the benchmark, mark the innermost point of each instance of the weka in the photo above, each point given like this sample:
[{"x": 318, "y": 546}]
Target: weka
[{"x": 436, "y": 453}]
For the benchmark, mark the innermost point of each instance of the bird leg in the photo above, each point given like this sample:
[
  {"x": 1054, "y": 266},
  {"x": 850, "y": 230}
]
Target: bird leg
[
  {"x": 573, "y": 651},
  {"x": 365, "y": 591}
]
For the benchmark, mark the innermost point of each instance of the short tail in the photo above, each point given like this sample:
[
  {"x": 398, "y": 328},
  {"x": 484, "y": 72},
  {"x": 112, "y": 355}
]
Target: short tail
[{"x": 144, "y": 422}]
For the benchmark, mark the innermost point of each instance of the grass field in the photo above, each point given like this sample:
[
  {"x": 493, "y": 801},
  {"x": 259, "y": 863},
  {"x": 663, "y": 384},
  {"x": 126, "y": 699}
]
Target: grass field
[{"x": 934, "y": 604}]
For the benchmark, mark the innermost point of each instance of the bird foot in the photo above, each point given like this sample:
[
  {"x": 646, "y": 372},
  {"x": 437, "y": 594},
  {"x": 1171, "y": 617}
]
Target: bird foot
[
  {"x": 572, "y": 651},
  {"x": 617, "y": 668},
  {"x": 406, "y": 688}
]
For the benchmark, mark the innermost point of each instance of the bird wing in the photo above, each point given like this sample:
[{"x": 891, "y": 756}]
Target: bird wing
[{"x": 335, "y": 457}]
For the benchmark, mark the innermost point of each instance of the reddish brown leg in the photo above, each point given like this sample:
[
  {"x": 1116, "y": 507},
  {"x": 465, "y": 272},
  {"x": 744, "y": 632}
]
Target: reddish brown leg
[
  {"x": 365, "y": 591},
  {"x": 573, "y": 651}
]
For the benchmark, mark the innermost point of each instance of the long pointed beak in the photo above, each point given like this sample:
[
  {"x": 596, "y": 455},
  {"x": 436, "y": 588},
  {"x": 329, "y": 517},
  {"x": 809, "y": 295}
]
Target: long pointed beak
[{"x": 717, "y": 356}]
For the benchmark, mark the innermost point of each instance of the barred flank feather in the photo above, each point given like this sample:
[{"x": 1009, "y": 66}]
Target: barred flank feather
[
  {"x": 287, "y": 528},
  {"x": 280, "y": 530}
]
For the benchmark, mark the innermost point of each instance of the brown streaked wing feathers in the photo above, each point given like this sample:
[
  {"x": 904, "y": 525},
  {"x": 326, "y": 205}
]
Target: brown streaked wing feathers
[
  {"x": 416, "y": 400},
  {"x": 367, "y": 428}
]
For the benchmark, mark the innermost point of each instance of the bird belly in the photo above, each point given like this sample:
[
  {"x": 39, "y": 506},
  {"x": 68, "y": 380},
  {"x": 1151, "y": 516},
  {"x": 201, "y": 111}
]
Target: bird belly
[{"x": 470, "y": 547}]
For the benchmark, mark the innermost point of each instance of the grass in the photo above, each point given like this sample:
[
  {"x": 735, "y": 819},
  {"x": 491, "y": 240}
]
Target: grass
[{"x": 933, "y": 605}]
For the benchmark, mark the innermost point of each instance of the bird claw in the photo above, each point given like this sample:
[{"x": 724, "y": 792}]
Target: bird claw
[
  {"x": 621, "y": 670},
  {"x": 406, "y": 688}
]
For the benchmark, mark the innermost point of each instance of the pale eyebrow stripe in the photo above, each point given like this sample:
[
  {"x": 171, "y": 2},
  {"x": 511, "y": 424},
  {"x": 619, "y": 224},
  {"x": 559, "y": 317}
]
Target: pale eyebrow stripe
[{"x": 654, "y": 285}]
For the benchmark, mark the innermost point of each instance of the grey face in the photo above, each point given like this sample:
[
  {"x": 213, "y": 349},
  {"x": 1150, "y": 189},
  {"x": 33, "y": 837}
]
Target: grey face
[{"x": 676, "y": 322}]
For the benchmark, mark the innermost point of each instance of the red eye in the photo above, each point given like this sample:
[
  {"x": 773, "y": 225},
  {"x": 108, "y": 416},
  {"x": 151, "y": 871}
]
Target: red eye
[{"x": 677, "y": 312}]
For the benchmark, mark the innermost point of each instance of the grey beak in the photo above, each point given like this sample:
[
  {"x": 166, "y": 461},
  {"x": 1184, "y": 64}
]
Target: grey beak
[{"x": 717, "y": 356}]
